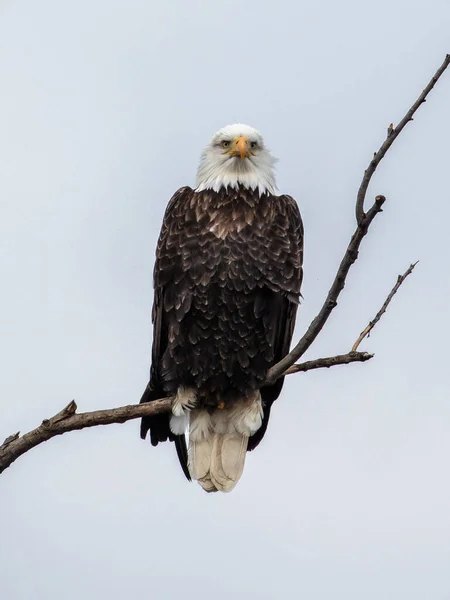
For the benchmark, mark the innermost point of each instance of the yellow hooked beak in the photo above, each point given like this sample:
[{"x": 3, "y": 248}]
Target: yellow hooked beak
[{"x": 240, "y": 147}]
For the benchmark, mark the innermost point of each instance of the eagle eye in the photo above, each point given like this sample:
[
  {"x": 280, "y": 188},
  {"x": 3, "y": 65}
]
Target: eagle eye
[
  {"x": 225, "y": 143},
  {"x": 253, "y": 145}
]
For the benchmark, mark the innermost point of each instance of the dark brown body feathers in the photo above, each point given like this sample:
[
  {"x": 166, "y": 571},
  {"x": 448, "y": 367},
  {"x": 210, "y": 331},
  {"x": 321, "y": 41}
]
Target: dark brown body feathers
[{"x": 227, "y": 282}]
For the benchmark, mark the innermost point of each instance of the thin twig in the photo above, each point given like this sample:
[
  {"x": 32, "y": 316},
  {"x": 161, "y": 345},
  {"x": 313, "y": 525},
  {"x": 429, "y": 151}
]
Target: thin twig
[
  {"x": 392, "y": 135},
  {"x": 332, "y": 361},
  {"x": 371, "y": 325}
]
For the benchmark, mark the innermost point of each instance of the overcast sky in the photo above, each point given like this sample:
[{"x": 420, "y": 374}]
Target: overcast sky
[{"x": 104, "y": 109}]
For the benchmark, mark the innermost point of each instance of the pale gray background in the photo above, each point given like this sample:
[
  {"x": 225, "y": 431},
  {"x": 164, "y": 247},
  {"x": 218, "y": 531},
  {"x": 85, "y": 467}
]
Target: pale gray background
[{"x": 104, "y": 109}]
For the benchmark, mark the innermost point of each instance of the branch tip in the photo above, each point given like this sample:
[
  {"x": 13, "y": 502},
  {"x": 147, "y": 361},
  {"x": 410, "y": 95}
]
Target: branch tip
[
  {"x": 71, "y": 408},
  {"x": 65, "y": 413},
  {"x": 391, "y": 137},
  {"x": 9, "y": 439}
]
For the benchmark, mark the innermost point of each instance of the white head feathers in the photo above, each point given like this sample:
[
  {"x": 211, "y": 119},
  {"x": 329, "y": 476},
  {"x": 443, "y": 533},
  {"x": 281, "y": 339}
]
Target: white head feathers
[{"x": 236, "y": 155}]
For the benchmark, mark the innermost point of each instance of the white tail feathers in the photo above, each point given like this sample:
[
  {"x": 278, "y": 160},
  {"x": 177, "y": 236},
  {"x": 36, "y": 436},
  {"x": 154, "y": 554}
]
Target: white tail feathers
[
  {"x": 218, "y": 442},
  {"x": 227, "y": 460}
]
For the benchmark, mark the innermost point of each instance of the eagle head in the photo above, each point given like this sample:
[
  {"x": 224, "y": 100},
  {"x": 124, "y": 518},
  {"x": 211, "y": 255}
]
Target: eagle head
[{"x": 235, "y": 156}]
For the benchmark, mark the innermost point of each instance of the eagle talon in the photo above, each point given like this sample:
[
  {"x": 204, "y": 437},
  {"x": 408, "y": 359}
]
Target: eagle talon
[
  {"x": 221, "y": 405},
  {"x": 185, "y": 400}
]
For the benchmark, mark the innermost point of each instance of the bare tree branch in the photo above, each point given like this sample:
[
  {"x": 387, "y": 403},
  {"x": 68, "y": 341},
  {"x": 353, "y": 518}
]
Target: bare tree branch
[
  {"x": 380, "y": 313},
  {"x": 392, "y": 135},
  {"x": 69, "y": 420},
  {"x": 363, "y": 223}
]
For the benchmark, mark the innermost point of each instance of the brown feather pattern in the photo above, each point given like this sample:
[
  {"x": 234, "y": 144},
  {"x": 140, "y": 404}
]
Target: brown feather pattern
[{"x": 227, "y": 283}]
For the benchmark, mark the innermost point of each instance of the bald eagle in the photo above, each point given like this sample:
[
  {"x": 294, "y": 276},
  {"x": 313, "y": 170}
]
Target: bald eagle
[{"x": 227, "y": 283}]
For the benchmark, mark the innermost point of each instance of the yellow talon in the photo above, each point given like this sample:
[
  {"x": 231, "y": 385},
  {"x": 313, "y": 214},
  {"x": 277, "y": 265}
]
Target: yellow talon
[{"x": 221, "y": 404}]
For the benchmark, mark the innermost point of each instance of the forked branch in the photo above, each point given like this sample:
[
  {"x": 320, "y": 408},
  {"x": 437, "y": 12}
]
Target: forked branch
[
  {"x": 69, "y": 420},
  {"x": 364, "y": 221}
]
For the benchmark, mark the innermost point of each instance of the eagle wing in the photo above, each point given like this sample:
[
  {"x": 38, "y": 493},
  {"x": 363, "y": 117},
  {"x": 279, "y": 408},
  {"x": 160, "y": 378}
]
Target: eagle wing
[{"x": 158, "y": 425}]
